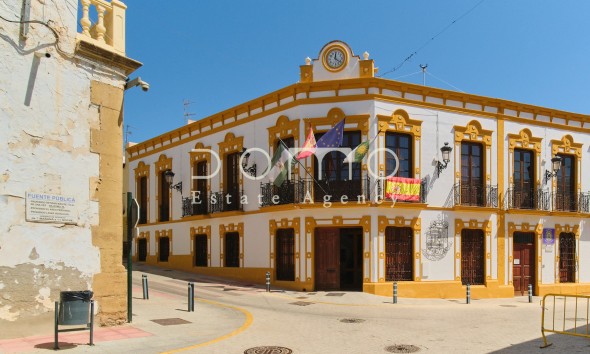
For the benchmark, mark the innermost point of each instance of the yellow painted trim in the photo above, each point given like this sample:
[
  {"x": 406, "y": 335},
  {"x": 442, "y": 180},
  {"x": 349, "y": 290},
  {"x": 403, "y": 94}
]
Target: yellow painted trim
[
  {"x": 567, "y": 146},
  {"x": 227, "y": 118},
  {"x": 337, "y": 221},
  {"x": 400, "y": 122},
  {"x": 164, "y": 163},
  {"x": 285, "y": 223},
  {"x": 159, "y": 234},
  {"x": 231, "y": 144},
  {"x": 232, "y": 227},
  {"x": 201, "y": 230},
  {"x": 335, "y": 47},
  {"x": 195, "y": 158},
  {"x": 399, "y": 221},
  {"x": 567, "y": 228},
  {"x": 284, "y": 128},
  {"x": 486, "y": 227},
  {"x": 473, "y": 132},
  {"x": 247, "y": 323},
  {"x": 143, "y": 170},
  {"x": 538, "y": 231}
]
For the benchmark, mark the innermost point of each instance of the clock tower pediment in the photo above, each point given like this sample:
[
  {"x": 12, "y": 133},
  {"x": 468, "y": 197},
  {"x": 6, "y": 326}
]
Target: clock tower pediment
[{"x": 336, "y": 61}]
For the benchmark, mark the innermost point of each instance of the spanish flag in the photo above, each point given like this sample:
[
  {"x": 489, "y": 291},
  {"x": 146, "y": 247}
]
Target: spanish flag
[
  {"x": 404, "y": 189},
  {"x": 308, "y": 147}
]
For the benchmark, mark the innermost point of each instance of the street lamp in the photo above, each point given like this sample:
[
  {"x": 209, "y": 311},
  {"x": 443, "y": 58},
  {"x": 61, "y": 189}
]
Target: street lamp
[
  {"x": 555, "y": 166},
  {"x": 446, "y": 157},
  {"x": 169, "y": 175}
]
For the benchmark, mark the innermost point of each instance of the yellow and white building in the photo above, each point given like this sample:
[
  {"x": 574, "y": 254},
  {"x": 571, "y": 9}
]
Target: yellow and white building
[{"x": 503, "y": 211}]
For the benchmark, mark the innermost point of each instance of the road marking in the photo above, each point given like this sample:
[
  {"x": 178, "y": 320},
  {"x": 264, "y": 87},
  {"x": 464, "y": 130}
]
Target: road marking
[{"x": 243, "y": 327}]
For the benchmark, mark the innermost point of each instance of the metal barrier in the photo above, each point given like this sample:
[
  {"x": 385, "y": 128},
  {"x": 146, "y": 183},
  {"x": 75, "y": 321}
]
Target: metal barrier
[{"x": 566, "y": 315}]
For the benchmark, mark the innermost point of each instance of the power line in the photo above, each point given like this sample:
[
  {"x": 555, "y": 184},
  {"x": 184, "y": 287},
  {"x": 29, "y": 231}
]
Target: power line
[{"x": 431, "y": 39}]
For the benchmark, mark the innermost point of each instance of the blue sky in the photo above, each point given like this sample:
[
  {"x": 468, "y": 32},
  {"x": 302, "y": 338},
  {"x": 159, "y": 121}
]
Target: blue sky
[{"x": 218, "y": 54}]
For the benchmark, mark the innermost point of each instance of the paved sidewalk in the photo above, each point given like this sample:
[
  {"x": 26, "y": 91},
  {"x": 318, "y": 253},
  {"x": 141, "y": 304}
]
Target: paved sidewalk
[{"x": 232, "y": 316}]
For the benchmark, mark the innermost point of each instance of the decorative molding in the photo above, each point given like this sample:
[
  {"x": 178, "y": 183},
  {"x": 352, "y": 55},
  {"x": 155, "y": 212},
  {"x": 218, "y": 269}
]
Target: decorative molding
[
  {"x": 285, "y": 223},
  {"x": 567, "y": 146},
  {"x": 473, "y": 132},
  {"x": 524, "y": 140},
  {"x": 486, "y": 227},
  {"x": 233, "y": 227},
  {"x": 159, "y": 234},
  {"x": 283, "y": 128},
  {"x": 336, "y": 221},
  {"x": 201, "y": 230}
]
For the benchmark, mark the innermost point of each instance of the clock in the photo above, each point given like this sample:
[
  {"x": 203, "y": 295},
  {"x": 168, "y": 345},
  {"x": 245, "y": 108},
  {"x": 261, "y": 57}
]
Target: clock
[{"x": 335, "y": 58}]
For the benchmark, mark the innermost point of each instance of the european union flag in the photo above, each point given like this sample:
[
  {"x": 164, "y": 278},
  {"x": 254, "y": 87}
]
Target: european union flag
[{"x": 333, "y": 137}]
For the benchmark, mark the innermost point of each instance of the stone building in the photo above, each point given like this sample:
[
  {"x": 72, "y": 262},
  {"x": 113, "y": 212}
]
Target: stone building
[
  {"x": 501, "y": 197},
  {"x": 60, "y": 172}
]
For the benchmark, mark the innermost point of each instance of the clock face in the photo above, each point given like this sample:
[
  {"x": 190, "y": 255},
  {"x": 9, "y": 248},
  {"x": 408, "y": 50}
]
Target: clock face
[{"x": 335, "y": 58}]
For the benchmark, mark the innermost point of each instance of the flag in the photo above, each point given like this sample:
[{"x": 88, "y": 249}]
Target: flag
[
  {"x": 333, "y": 137},
  {"x": 404, "y": 189},
  {"x": 358, "y": 153},
  {"x": 308, "y": 147},
  {"x": 279, "y": 165}
]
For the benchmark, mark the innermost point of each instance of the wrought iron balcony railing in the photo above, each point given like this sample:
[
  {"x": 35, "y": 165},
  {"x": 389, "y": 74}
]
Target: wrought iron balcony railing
[
  {"x": 200, "y": 207},
  {"x": 574, "y": 202},
  {"x": 353, "y": 190},
  {"x": 225, "y": 201},
  {"x": 296, "y": 191},
  {"x": 517, "y": 198},
  {"x": 381, "y": 187},
  {"x": 475, "y": 195},
  {"x": 290, "y": 192}
]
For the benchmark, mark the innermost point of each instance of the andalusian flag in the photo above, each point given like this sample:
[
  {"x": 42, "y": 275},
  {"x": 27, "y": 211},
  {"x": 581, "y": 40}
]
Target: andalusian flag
[
  {"x": 358, "y": 153},
  {"x": 404, "y": 189},
  {"x": 279, "y": 165},
  {"x": 308, "y": 147}
]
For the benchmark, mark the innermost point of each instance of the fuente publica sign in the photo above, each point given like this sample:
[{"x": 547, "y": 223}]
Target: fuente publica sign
[{"x": 51, "y": 208}]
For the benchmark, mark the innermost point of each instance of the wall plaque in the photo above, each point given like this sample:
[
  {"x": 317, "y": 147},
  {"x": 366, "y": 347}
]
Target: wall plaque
[{"x": 50, "y": 208}]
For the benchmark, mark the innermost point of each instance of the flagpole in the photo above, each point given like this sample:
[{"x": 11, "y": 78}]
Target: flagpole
[{"x": 305, "y": 169}]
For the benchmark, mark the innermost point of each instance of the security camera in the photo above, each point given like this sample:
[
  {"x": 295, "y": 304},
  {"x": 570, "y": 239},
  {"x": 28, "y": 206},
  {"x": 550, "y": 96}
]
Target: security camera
[{"x": 137, "y": 82}]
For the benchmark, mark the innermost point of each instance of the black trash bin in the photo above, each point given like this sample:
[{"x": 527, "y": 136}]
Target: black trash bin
[{"x": 74, "y": 307}]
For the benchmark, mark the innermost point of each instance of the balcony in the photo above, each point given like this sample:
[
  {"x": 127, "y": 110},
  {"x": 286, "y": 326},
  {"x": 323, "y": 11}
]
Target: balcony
[
  {"x": 517, "y": 198},
  {"x": 290, "y": 192},
  {"x": 573, "y": 202},
  {"x": 189, "y": 208},
  {"x": 423, "y": 191},
  {"x": 225, "y": 201},
  {"x": 475, "y": 195},
  {"x": 295, "y": 191}
]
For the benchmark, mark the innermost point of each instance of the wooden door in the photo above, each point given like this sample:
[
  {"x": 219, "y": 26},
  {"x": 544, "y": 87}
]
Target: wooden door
[
  {"x": 351, "y": 258},
  {"x": 472, "y": 257},
  {"x": 523, "y": 271},
  {"x": 141, "y": 249},
  {"x": 327, "y": 259},
  {"x": 567, "y": 257}
]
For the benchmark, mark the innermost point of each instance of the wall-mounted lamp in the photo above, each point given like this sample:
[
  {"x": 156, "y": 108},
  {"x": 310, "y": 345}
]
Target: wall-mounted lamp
[
  {"x": 446, "y": 157},
  {"x": 245, "y": 158},
  {"x": 556, "y": 166},
  {"x": 169, "y": 175}
]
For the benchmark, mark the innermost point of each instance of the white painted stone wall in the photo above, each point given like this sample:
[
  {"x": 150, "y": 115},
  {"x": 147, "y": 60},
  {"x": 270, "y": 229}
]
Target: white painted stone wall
[{"x": 45, "y": 119}]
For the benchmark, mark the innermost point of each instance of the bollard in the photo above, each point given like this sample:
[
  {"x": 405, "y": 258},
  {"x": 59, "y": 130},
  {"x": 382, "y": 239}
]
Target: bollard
[
  {"x": 267, "y": 282},
  {"x": 144, "y": 283},
  {"x": 395, "y": 292},
  {"x": 530, "y": 293},
  {"x": 191, "y": 297},
  {"x": 468, "y": 293}
]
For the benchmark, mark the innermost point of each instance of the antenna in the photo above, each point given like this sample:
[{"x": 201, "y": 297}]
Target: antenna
[
  {"x": 423, "y": 67},
  {"x": 127, "y": 133},
  {"x": 187, "y": 114}
]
